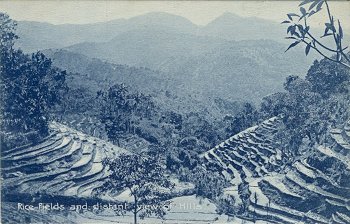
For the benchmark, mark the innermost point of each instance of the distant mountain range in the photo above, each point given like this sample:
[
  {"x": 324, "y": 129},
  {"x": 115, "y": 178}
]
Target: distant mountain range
[
  {"x": 232, "y": 58},
  {"x": 38, "y": 36}
]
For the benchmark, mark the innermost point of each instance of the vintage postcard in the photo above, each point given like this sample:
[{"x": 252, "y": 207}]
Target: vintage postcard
[{"x": 176, "y": 112}]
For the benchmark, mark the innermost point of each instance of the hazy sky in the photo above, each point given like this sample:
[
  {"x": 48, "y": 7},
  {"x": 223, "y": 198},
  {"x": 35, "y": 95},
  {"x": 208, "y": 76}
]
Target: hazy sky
[{"x": 199, "y": 12}]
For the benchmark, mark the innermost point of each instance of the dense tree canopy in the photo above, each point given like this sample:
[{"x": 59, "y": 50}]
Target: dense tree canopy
[
  {"x": 29, "y": 85},
  {"x": 310, "y": 106},
  {"x": 122, "y": 110},
  {"x": 328, "y": 78}
]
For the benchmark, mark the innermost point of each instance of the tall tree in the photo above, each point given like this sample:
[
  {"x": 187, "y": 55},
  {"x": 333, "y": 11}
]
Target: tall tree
[
  {"x": 29, "y": 86},
  {"x": 145, "y": 178},
  {"x": 115, "y": 112},
  {"x": 122, "y": 109},
  {"x": 246, "y": 118},
  {"x": 327, "y": 78}
]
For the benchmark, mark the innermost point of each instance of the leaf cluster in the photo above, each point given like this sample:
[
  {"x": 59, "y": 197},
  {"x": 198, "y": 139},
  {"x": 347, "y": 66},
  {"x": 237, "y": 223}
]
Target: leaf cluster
[
  {"x": 299, "y": 31},
  {"x": 145, "y": 178}
]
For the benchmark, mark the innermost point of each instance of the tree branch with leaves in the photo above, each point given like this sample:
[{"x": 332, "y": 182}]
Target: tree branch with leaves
[
  {"x": 145, "y": 179},
  {"x": 300, "y": 32}
]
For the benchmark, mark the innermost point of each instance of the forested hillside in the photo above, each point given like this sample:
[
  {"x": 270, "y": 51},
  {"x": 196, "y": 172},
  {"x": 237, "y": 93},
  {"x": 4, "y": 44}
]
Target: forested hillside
[{"x": 197, "y": 61}]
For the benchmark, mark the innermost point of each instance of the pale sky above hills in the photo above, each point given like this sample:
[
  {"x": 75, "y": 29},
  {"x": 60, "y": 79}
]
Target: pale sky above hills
[{"x": 199, "y": 12}]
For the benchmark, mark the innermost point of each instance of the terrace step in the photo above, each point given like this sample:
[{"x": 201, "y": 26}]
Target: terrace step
[
  {"x": 84, "y": 160},
  {"x": 236, "y": 155},
  {"x": 270, "y": 215},
  {"x": 338, "y": 137},
  {"x": 337, "y": 220},
  {"x": 52, "y": 169},
  {"x": 34, "y": 155},
  {"x": 330, "y": 153},
  {"x": 35, "y": 177},
  {"x": 31, "y": 146},
  {"x": 96, "y": 169},
  {"x": 87, "y": 190},
  {"x": 51, "y": 142},
  {"x": 277, "y": 184},
  {"x": 320, "y": 174},
  {"x": 343, "y": 217},
  {"x": 281, "y": 211},
  {"x": 301, "y": 168},
  {"x": 300, "y": 182},
  {"x": 59, "y": 188},
  {"x": 212, "y": 154},
  {"x": 37, "y": 164},
  {"x": 92, "y": 183}
]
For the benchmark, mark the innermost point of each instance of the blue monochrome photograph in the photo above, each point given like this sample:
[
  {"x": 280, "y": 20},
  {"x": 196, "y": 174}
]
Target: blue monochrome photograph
[{"x": 175, "y": 112}]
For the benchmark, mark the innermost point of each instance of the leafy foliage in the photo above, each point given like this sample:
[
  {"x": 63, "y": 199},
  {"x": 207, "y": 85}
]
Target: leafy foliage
[
  {"x": 246, "y": 118},
  {"x": 7, "y": 32},
  {"x": 207, "y": 183},
  {"x": 30, "y": 86},
  {"x": 300, "y": 32},
  {"x": 121, "y": 110},
  {"x": 227, "y": 205},
  {"x": 146, "y": 180},
  {"x": 328, "y": 78},
  {"x": 311, "y": 106}
]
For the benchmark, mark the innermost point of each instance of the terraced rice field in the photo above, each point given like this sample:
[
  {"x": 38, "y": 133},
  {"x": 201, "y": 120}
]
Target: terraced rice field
[
  {"x": 307, "y": 192},
  {"x": 67, "y": 163}
]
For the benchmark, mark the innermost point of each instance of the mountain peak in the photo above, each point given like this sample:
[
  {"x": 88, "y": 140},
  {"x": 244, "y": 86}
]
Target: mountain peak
[
  {"x": 230, "y": 15},
  {"x": 226, "y": 17},
  {"x": 162, "y": 18}
]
